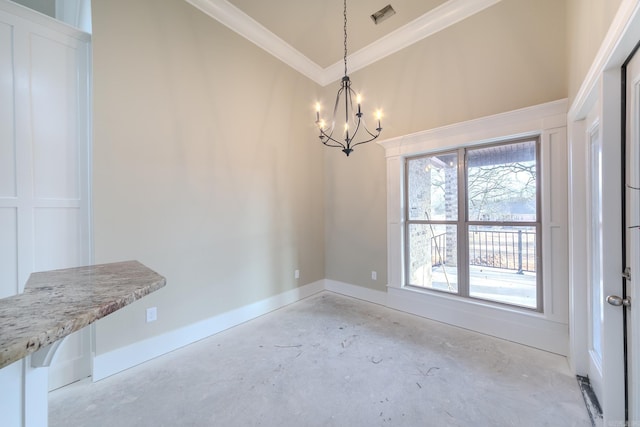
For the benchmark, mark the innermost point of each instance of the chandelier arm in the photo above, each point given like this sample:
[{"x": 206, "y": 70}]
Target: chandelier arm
[
  {"x": 364, "y": 142},
  {"x": 371, "y": 134},
  {"x": 334, "y": 145},
  {"x": 326, "y": 142},
  {"x": 335, "y": 107},
  {"x": 355, "y": 132},
  {"x": 347, "y": 104},
  {"x": 350, "y": 93},
  {"x": 364, "y": 126},
  {"x": 325, "y": 138}
]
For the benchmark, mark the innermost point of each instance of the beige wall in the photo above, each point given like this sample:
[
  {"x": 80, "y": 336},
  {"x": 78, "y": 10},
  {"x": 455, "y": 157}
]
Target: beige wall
[
  {"x": 207, "y": 168},
  {"x": 587, "y": 25},
  {"x": 355, "y": 215},
  {"x": 512, "y": 55},
  {"x": 204, "y": 165}
]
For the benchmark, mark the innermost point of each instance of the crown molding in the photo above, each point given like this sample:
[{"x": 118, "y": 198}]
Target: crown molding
[{"x": 436, "y": 20}]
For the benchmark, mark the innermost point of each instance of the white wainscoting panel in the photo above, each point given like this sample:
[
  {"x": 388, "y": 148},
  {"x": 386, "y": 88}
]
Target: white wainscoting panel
[
  {"x": 8, "y": 252},
  {"x": 57, "y": 238},
  {"x": 44, "y": 174},
  {"x": 11, "y": 394},
  {"x": 56, "y": 143},
  {"x": 7, "y": 141}
]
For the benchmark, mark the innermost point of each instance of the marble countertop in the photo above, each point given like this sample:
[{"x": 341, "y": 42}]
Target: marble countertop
[{"x": 56, "y": 303}]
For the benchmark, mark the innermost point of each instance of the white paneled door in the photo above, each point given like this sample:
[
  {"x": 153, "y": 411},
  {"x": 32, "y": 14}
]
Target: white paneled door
[
  {"x": 44, "y": 160},
  {"x": 603, "y": 263},
  {"x": 632, "y": 233}
]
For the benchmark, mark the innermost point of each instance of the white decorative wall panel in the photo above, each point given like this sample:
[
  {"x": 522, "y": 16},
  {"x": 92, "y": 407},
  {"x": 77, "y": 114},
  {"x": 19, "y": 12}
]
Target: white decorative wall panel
[
  {"x": 7, "y": 137},
  {"x": 44, "y": 173},
  {"x": 55, "y": 124},
  {"x": 57, "y": 238},
  {"x": 8, "y": 252}
]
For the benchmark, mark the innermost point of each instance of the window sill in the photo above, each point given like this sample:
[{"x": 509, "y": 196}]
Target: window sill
[{"x": 472, "y": 301}]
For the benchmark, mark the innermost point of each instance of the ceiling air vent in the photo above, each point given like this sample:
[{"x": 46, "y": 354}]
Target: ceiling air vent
[{"x": 382, "y": 14}]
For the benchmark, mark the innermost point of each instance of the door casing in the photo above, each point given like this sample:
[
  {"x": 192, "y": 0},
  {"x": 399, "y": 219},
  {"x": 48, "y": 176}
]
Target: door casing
[{"x": 601, "y": 87}]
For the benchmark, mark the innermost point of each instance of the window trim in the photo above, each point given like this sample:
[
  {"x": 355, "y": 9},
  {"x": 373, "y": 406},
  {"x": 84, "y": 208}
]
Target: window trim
[
  {"x": 547, "y": 330},
  {"x": 463, "y": 223}
]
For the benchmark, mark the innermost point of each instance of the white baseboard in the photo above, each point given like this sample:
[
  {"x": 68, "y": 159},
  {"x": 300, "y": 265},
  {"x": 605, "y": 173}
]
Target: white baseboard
[
  {"x": 359, "y": 292},
  {"x": 523, "y": 328},
  {"x": 530, "y": 329},
  {"x": 118, "y": 360}
]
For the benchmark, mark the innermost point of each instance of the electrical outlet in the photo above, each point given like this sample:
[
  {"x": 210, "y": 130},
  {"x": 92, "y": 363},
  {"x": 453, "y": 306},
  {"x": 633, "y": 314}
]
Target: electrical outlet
[
  {"x": 296, "y": 274},
  {"x": 374, "y": 275},
  {"x": 152, "y": 314}
]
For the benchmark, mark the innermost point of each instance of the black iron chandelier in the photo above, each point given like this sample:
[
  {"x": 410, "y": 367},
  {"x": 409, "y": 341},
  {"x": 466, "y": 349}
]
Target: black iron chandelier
[{"x": 353, "y": 121}]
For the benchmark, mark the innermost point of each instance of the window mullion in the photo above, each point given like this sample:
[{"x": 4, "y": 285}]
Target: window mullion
[{"x": 463, "y": 235}]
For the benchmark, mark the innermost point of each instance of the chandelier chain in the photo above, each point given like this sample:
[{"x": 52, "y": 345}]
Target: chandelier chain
[{"x": 345, "y": 37}]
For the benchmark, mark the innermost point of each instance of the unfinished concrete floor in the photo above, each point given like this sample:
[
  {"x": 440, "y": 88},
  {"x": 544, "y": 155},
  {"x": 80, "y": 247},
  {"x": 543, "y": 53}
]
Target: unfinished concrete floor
[{"x": 331, "y": 360}]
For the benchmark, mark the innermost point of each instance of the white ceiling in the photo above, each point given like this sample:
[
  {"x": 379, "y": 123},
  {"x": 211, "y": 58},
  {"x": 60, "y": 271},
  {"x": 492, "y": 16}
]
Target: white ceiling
[{"x": 309, "y": 35}]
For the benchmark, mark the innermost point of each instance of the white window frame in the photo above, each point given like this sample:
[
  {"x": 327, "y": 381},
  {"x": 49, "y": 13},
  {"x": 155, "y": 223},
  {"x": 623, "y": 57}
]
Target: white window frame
[
  {"x": 547, "y": 330},
  {"x": 463, "y": 223}
]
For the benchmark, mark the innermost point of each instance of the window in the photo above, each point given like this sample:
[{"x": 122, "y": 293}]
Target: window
[
  {"x": 473, "y": 224},
  {"x": 417, "y": 281}
]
